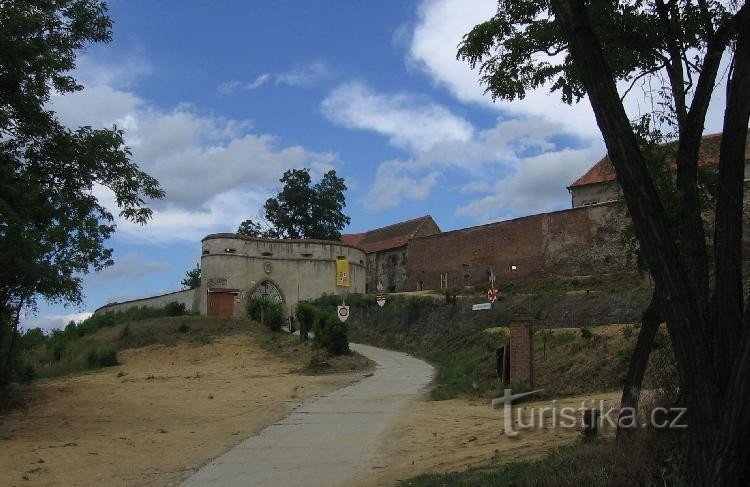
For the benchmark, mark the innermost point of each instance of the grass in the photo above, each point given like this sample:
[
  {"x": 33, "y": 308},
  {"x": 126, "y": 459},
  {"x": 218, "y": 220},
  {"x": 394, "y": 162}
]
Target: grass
[
  {"x": 648, "y": 459},
  {"x": 566, "y": 362},
  {"x": 99, "y": 349},
  {"x": 311, "y": 360}
]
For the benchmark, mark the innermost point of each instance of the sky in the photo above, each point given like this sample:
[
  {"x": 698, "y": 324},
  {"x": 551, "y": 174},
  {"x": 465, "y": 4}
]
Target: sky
[{"x": 218, "y": 99}]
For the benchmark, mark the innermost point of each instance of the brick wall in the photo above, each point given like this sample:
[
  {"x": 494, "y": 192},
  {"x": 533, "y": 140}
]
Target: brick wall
[{"x": 578, "y": 241}]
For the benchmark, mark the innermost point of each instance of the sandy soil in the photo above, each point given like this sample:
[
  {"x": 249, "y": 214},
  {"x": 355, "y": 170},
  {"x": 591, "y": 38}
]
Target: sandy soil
[
  {"x": 172, "y": 410},
  {"x": 452, "y": 435}
]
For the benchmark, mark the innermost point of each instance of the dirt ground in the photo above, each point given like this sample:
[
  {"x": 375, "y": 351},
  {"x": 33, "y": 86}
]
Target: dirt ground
[
  {"x": 452, "y": 435},
  {"x": 153, "y": 420}
]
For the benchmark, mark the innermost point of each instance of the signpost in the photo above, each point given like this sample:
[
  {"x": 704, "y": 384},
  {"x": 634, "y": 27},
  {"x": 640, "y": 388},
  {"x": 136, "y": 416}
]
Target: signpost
[
  {"x": 380, "y": 297},
  {"x": 343, "y": 312},
  {"x": 492, "y": 295}
]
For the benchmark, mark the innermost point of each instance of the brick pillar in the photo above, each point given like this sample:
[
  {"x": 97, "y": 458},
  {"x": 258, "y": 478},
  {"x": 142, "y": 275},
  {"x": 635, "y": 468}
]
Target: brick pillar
[{"x": 521, "y": 352}]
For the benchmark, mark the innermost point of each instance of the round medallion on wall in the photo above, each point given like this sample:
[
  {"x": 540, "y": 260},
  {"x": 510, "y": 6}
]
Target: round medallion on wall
[{"x": 267, "y": 267}]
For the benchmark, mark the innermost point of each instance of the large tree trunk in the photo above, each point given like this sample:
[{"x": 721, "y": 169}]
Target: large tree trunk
[
  {"x": 731, "y": 458},
  {"x": 631, "y": 391},
  {"x": 718, "y": 422}
]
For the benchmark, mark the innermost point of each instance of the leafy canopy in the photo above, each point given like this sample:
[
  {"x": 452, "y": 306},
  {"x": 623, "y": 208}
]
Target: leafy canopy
[
  {"x": 302, "y": 209},
  {"x": 522, "y": 47},
  {"x": 52, "y": 226},
  {"x": 192, "y": 278}
]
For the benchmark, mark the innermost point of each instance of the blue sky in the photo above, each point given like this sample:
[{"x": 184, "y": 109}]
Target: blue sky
[{"x": 219, "y": 98}]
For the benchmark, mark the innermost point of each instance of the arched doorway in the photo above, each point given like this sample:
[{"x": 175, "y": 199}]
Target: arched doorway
[{"x": 267, "y": 290}]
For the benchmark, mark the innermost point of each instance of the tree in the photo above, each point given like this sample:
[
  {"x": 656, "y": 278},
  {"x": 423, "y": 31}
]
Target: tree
[
  {"x": 192, "y": 278},
  {"x": 253, "y": 229},
  {"x": 302, "y": 210},
  {"x": 586, "y": 48},
  {"x": 52, "y": 227}
]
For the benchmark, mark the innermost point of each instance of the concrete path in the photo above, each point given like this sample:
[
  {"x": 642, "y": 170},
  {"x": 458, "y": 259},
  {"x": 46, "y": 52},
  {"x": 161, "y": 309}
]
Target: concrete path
[{"x": 327, "y": 440}]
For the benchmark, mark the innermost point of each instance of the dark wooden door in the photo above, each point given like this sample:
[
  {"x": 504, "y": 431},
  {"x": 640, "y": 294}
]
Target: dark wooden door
[{"x": 221, "y": 304}]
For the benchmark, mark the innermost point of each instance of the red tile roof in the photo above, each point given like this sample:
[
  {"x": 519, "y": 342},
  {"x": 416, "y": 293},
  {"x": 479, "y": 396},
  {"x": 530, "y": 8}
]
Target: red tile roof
[
  {"x": 390, "y": 237},
  {"x": 603, "y": 171}
]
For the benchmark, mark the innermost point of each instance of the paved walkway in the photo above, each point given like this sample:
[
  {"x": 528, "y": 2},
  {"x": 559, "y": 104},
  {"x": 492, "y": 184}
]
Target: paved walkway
[{"x": 329, "y": 439}]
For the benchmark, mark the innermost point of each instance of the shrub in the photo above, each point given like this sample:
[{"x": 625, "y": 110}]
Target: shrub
[
  {"x": 173, "y": 308},
  {"x": 627, "y": 331},
  {"x": 270, "y": 312},
  {"x": 306, "y": 314},
  {"x": 125, "y": 331},
  {"x": 101, "y": 356},
  {"x": 331, "y": 334},
  {"x": 586, "y": 333},
  {"x": 183, "y": 328}
]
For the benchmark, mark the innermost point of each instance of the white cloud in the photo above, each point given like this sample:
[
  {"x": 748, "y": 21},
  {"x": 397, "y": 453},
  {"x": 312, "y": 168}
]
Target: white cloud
[
  {"x": 129, "y": 266},
  {"x": 407, "y": 120},
  {"x": 394, "y": 182},
  {"x": 232, "y": 86},
  {"x": 308, "y": 75},
  {"x": 535, "y": 184},
  {"x": 211, "y": 167},
  {"x": 54, "y": 321},
  {"x": 258, "y": 82},
  {"x": 434, "y": 43},
  {"x": 522, "y": 168}
]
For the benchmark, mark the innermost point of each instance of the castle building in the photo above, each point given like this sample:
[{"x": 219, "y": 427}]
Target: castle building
[
  {"x": 599, "y": 184},
  {"x": 415, "y": 255}
]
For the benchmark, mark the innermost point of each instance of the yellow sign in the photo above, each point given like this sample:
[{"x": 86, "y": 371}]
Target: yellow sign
[{"x": 342, "y": 273}]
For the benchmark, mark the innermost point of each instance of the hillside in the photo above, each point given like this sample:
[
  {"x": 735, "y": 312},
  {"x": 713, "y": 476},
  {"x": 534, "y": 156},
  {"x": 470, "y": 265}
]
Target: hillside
[{"x": 185, "y": 390}]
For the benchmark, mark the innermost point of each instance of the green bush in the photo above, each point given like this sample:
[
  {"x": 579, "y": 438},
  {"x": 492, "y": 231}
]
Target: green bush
[
  {"x": 586, "y": 333},
  {"x": 306, "y": 314},
  {"x": 173, "y": 308},
  {"x": 270, "y": 311},
  {"x": 331, "y": 334},
  {"x": 101, "y": 356}
]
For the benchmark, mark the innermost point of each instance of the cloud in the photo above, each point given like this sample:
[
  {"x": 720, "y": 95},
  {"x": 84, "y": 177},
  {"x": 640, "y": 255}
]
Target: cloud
[
  {"x": 434, "y": 44},
  {"x": 394, "y": 183},
  {"x": 210, "y": 167},
  {"x": 54, "y": 321},
  {"x": 409, "y": 121},
  {"x": 515, "y": 167},
  {"x": 129, "y": 266},
  {"x": 232, "y": 86},
  {"x": 308, "y": 75},
  {"x": 535, "y": 184}
]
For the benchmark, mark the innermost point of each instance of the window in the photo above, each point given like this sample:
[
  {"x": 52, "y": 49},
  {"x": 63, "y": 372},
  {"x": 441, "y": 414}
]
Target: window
[
  {"x": 230, "y": 251},
  {"x": 205, "y": 252},
  {"x": 266, "y": 254},
  {"x": 307, "y": 255},
  {"x": 444, "y": 280}
]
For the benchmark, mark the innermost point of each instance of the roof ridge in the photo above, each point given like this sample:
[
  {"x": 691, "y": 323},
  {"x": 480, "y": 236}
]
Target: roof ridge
[{"x": 423, "y": 218}]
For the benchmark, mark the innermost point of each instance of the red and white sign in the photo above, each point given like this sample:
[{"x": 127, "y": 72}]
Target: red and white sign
[
  {"x": 343, "y": 312},
  {"x": 492, "y": 294}
]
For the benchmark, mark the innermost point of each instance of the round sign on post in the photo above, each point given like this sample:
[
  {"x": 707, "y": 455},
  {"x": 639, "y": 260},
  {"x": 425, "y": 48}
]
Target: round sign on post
[{"x": 343, "y": 313}]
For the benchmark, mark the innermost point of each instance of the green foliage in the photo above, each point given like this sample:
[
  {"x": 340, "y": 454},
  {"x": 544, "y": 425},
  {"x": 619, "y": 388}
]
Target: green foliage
[
  {"x": 192, "y": 278},
  {"x": 522, "y": 47},
  {"x": 270, "y": 312},
  {"x": 586, "y": 333},
  {"x": 173, "y": 308},
  {"x": 253, "y": 229},
  {"x": 302, "y": 210},
  {"x": 101, "y": 356},
  {"x": 330, "y": 334},
  {"x": 306, "y": 314},
  {"x": 53, "y": 227}
]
